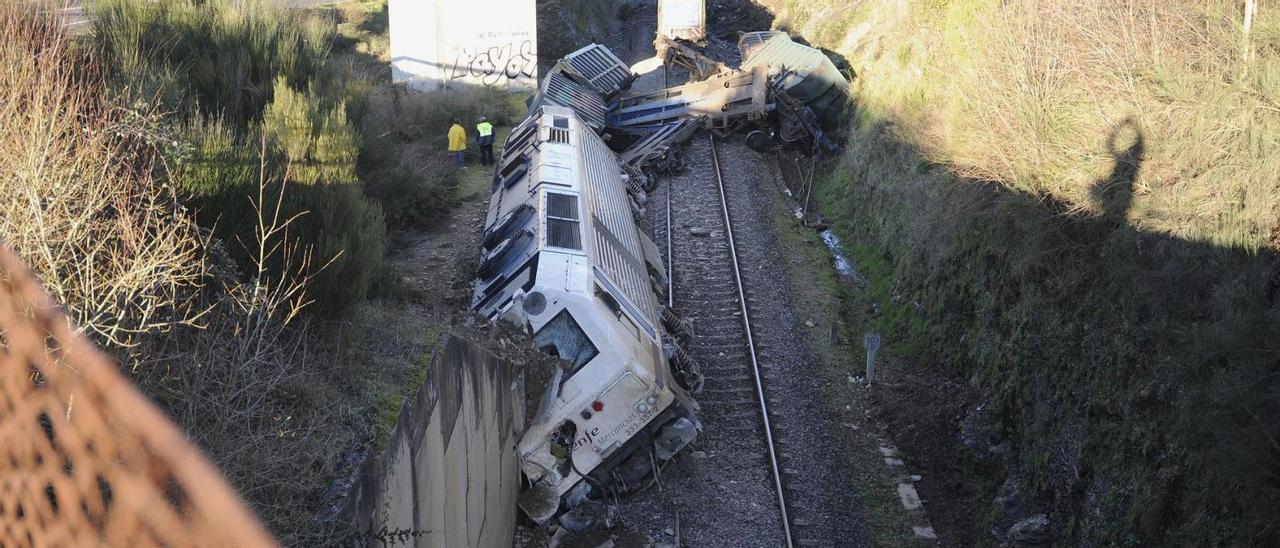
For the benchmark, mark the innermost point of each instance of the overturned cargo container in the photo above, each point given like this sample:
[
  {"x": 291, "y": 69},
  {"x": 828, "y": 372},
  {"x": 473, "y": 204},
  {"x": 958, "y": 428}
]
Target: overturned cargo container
[
  {"x": 683, "y": 20},
  {"x": 805, "y": 73}
]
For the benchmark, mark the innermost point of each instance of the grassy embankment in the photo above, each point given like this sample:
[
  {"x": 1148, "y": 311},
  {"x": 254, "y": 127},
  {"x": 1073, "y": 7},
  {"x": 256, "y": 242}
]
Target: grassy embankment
[
  {"x": 818, "y": 295},
  {"x": 1082, "y": 199},
  {"x": 216, "y": 186}
]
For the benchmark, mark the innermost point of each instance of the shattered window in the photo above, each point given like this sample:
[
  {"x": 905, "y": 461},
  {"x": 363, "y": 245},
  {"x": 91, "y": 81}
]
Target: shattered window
[{"x": 563, "y": 337}]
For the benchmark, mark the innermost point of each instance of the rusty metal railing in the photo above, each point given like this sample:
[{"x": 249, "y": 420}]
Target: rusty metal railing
[{"x": 85, "y": 460}]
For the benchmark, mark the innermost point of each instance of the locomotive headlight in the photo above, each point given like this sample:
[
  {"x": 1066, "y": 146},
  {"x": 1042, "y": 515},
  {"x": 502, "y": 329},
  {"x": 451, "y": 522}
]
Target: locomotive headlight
[
  {"x": 652, "y": 400},
  {"x": 535, "y": 303},
  {"x": 642, "y": 407}
]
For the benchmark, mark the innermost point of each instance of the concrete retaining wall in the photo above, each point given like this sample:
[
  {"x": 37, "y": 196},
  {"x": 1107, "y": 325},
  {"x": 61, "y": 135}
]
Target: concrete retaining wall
[
  {"x": 445, "y": 44},
  {"x": 448, "y": 476}
]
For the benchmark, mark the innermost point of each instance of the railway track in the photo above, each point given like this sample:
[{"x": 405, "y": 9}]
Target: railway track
[
  {"x": 708, "y": 286},
  {"x": 770, "y": 475},
  {"x": 767, "y": 427}
]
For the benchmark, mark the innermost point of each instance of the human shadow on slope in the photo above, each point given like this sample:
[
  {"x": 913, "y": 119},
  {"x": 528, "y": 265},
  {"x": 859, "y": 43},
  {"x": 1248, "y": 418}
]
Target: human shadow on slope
[{"x": 1115, "y": 192}]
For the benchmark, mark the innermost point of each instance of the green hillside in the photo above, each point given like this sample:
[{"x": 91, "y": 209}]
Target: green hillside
[{"x": 1083, "y": 199}]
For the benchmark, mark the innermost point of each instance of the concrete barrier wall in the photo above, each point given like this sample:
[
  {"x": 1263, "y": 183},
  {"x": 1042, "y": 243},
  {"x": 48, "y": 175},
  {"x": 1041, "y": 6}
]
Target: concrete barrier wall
[{"x": 448, "y": 476}]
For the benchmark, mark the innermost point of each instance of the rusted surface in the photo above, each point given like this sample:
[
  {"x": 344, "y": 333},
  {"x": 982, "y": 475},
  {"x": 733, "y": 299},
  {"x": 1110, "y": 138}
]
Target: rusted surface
[{"x": 85, "y": 460}]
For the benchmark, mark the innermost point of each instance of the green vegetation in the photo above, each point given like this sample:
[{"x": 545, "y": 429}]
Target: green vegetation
[
  {"x": 405, "y": 133},
  {"x": 191, "y": 178},
  {"x": 576, "y": 23},
  {"x": 244, "y": 80},
  {"x": 1082, "y": 197},
  {"x": 402, "y": 160},
  {"x": 220, "y": 57},
  {"x": 820, "y": 296},
  {"x": 90, "y": 203}
]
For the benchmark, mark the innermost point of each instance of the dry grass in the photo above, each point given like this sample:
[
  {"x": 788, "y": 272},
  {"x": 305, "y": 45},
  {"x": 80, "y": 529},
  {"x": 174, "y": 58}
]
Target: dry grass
[
  {"x": 1034, "y": 94},
  {"x": 87, "y": 203},
  {"x": 1045, "y": 85},
  {"x": 78, "y": 199},
  {"x": 216, "y": 57}
]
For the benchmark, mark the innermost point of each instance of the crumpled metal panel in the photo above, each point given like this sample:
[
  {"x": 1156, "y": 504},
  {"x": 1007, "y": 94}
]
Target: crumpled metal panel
[
  {"x": 811, "y": 73},
  {"x": 656, "y": 144},
  {"x": 751, "y": 42}
]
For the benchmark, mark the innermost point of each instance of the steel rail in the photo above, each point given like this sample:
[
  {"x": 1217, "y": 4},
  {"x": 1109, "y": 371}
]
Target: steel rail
[
  {"x": 671, "y": 275},
  {"x": 751, "y": 346}
]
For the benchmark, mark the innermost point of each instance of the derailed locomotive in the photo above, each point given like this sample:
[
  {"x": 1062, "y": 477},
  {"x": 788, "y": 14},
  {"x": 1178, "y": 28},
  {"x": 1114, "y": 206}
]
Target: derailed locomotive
[{"x": 565, "y": 259}]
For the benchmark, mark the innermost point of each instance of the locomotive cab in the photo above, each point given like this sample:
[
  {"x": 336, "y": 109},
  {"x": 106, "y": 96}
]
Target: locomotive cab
[{"x": 564, "y": 258}]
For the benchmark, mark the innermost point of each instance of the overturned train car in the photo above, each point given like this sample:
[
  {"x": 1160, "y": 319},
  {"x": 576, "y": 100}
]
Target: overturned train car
[
  {"x": 563, "y": 257},
  {"x": 783, "y": 93}
]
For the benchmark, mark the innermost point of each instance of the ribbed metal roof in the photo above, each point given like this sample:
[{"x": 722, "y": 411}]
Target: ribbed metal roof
[
  {"x": 559, "y": 90},
  {"x": 599, "y": 68},
  {"x": 617, "y": 251},
  {"x": 751, "y": 42}
]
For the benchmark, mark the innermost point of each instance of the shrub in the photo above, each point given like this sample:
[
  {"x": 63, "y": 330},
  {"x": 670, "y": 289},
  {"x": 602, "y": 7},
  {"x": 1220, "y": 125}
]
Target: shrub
[
  {"x": 220, "y": 56},
  {"x": 404, "y": 164},
  {"x": 219, "y": 175},
  {"x": 344, "y": 231},
  {"x": 1092, "y": 236},
  {"x": 78, "y": 199},
  {"x": 307, "y": 157},
  {"x": 87, "y": 200},
  {"x": 233, "y": 71}
]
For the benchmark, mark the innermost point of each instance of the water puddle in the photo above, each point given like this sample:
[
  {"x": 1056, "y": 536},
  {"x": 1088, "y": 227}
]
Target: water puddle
[{"x": 843, "y": 265}]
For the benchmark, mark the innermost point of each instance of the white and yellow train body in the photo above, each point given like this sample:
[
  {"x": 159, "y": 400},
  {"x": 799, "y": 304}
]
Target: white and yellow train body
[{"x": 565, "y": 259}]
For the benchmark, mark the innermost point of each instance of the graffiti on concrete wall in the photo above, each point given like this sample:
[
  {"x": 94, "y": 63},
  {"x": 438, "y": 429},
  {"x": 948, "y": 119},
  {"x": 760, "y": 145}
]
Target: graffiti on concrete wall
[
  {"x": 497, "y": 64},
  {"x": 439, "y": 44},
  {"x": 449, "y": 474}
]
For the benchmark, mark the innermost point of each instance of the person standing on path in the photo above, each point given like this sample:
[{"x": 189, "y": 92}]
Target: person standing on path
[
  {"x": 458, "y": 143},
  {"x": 484, "y": 138}
]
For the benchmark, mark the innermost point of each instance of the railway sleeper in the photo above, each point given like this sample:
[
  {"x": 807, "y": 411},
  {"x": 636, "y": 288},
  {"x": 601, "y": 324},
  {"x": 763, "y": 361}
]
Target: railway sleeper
[{"x": 731, "y": 390}]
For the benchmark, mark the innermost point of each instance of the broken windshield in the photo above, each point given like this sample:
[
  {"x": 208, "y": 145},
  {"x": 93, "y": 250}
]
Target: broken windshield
[{"x": 563, "y": 337}]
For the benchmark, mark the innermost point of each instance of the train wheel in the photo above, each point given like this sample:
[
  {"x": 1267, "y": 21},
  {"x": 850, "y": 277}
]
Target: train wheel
[{"x": 759, "y": 140}]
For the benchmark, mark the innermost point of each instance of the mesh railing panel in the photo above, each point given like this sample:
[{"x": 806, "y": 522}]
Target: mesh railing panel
[{"x": 85, "y": 460}]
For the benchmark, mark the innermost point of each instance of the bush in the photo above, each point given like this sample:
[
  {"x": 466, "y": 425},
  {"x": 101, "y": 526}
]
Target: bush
[
  {"x": 233, "y": 71},
  {"x": 84, "y": 204},
  {"x": 221, "y": 57},
  {"x": 344, "y": 231},
  {"x": 79, "y": 201},
  {"x": 1082, "y": 196},
  {"x": 310, "y": 150},
  {"x": 404, "y": 162}
]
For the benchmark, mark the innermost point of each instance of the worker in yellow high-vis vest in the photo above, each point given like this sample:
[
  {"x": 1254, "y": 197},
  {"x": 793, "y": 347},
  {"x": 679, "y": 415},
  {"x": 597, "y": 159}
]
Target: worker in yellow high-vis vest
[
  {"x": 484, "y": 138},
  {"x": 458, "y": 143}
]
